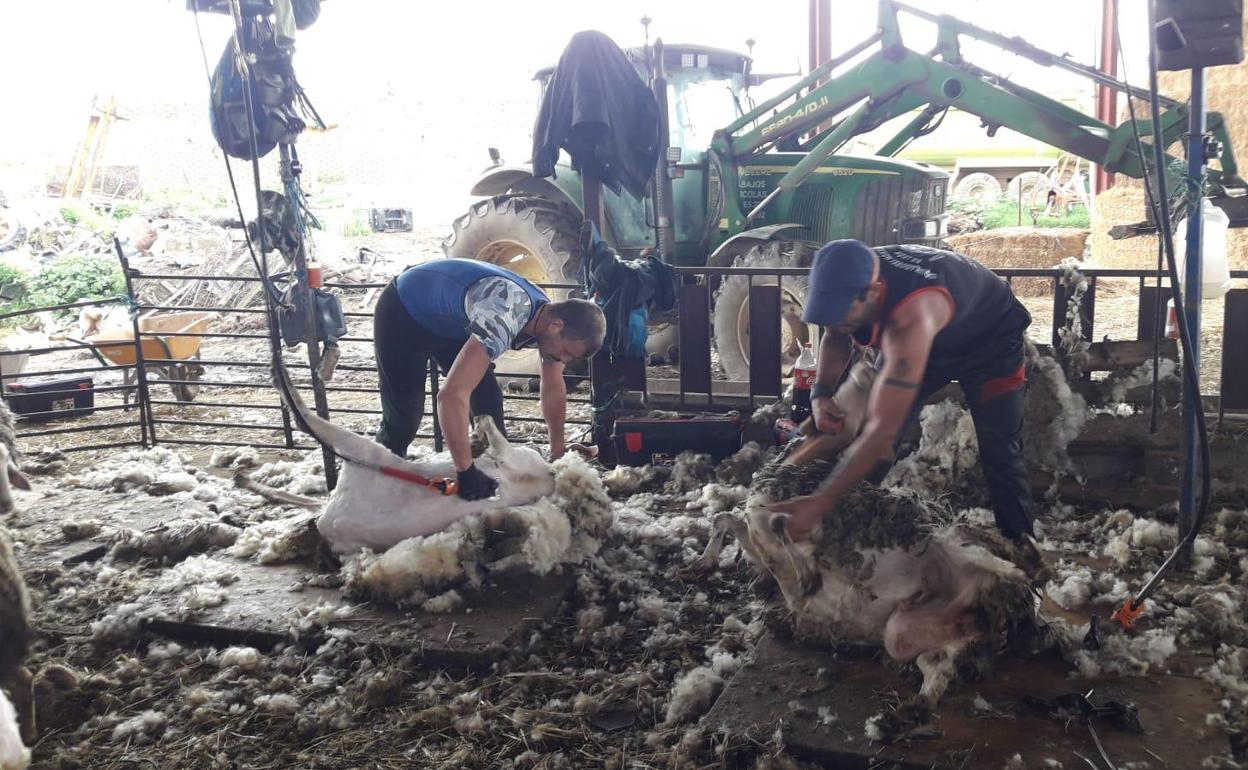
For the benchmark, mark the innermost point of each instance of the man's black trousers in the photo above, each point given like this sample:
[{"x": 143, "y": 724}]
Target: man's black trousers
[{"x": 403, "y": 349}]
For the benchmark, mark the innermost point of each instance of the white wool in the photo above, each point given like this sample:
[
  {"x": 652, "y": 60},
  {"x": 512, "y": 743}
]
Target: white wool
[
  {"x": 176, "y": 481},
  {"x": 826, "y": 717},
  {"x": 123, "y": 622},
  {"x": 473, "y": 724},
  {"x": 872, "y": 729},
  {"x": 732, "y": 625},
  {"x": 206, "y": 493},
  {"x": 269, "y": 542},
  {"x": 1133, "y": 655},
  {"x": 445, "y": 602},
  {"x": 1141, "y": 375},
  {"x": 1047, "y": 441},
  {"x": 584, "y": 704},
  {"x": 282, "y": 703},
  {"x": 246, "y": 658},
  {"x": 1142, "y": 533},
  {"x": 139, "y": 727},
  {"x": 194, "y": 571},
  {"x": 202, "y": 598},
  {"x": 81, "y": 529},
  {"x": 947, "y": 449},
  {"x": 693, "y": 694},
  {"x": 13, "y": 755},
  {"x": 725, "y": 664},
  {"x": 1015, "y": 763},
  {"x": 590, "y": 618},
  {"x": 416, "y": 563},
  {"x": 1074, "y": 591},
  {"x": 164, "y": 651},
  {"x": 623, "y": 480},
  {"x": 655, "y": 609},
  {"x": 234, "y": 457},
  {"x": 716, "y": 498}
]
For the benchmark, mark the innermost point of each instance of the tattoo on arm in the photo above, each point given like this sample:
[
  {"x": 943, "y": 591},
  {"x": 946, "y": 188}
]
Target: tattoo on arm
[{"x": 896, "y": 383}]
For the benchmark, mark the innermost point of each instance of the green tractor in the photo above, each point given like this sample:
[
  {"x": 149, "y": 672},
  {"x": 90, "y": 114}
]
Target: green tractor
[
  {"x": 764, "y": 185},
  {"x": 530, "y": 225}
]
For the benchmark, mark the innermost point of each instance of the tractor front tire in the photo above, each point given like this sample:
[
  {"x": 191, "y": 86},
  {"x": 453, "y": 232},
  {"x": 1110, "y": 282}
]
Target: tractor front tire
[
  {"x": 534, "y": 237},
  {"x": 731, "y": 314}
]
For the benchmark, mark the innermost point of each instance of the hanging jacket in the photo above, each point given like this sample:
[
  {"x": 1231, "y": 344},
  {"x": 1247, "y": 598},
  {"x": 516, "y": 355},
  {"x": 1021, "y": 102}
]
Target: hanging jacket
[
  {"x": 627, "y": 291},
  {"x": 597, "y": 107}
]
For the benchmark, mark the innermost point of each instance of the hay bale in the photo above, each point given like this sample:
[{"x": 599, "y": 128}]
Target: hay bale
[
  {"x": 1042, "y": 247},
  {"x": 1124, "y": 203}
]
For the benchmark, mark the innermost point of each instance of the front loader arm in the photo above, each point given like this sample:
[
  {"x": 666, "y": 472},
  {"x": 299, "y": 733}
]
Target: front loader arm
[{"x": 894, "y": 81}]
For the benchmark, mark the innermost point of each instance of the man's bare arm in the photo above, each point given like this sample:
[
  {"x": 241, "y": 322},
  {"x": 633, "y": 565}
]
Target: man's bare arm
[
  {"x": 834, "y": 352},
  {"x": 453, "y": 399},
  {"x": 554, "y": 397},
  {"x": 906, "y": 345}
]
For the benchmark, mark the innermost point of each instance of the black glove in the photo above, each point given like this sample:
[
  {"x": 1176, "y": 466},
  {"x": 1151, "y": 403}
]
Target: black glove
[{"x": 475, "y": 485}]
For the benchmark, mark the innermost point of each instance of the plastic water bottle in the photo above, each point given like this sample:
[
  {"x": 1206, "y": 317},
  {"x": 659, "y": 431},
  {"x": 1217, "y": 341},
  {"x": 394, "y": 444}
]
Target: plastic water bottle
[{"x": 803, "y": 378}]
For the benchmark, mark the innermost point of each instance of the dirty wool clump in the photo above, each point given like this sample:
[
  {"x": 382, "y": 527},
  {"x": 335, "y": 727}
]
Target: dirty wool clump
[
  {"x": 566, "y": 527},
  {"x": 632, "y": 635}
]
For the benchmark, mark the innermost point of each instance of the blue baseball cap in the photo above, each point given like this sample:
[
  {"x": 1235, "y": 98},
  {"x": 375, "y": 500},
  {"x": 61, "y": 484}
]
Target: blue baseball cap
[{"x": 840, "y": 272}]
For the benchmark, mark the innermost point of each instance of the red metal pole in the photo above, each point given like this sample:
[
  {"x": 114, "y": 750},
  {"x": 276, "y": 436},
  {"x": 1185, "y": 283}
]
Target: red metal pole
[
  {"x": 1106, "y": 97},
  {"x": 820, "y": 39}
]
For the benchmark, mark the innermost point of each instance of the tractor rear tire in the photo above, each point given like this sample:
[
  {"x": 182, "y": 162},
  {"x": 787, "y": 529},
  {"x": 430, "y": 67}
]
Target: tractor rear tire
[
  {"x": 1027, "y": 187},
  {"x": 731, "y": 314},
  {"x": 980, "y": 187},
  {"x": 531, "y": 236}
]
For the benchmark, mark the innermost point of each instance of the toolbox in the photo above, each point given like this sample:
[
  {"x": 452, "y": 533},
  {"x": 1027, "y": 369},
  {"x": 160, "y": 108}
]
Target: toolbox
[
  {"x": 51, "y": 399},
  {"x": 647, "y": 440}
]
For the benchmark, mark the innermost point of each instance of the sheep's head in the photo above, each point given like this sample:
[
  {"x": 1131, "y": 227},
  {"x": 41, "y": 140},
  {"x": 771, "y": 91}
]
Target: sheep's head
[{"x": 522, "y": 473}]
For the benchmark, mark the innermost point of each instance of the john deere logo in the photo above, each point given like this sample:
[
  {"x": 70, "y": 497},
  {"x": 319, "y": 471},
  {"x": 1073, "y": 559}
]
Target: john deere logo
[{"x": 797, "y": 114}]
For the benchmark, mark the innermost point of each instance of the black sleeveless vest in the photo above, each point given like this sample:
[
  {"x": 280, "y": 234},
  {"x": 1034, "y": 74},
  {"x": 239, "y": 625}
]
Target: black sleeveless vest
[{"x": 984, "y": 305}]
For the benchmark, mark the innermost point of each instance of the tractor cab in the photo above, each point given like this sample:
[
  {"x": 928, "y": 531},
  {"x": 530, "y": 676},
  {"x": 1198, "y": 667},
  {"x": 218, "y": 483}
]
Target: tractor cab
[{"x": 706, "y": 90}]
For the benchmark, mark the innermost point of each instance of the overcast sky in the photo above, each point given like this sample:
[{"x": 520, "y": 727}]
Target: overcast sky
[{"x": 57, "y": 54}]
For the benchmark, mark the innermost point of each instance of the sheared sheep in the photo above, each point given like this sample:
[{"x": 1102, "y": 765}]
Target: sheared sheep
[
  {"x": 10, "y": 476},
  {"x": 888, "y": 568},
  {"x": 16, "y": 717}
]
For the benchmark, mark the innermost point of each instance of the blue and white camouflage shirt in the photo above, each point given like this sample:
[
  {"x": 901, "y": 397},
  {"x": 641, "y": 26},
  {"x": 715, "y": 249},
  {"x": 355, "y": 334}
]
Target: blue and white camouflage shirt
[{"x": 497, "y": 310}]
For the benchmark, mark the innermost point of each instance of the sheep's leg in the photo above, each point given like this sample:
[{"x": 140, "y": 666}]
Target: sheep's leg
[
  {"x": 723, "y": 524},
  {"x": 20, "y": 686}
]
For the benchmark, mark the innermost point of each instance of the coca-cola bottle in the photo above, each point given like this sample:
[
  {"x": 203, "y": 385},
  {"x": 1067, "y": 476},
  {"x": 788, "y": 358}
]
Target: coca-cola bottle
[{"x": 803, "y": 378}]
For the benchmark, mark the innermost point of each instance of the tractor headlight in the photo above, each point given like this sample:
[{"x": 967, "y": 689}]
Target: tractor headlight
[{"x": 931, "y": 228}]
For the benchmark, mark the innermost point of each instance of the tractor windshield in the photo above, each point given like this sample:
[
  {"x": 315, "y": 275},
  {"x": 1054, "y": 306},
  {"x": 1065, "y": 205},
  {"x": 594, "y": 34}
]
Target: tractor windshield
[{"x": 698, "y": 109}]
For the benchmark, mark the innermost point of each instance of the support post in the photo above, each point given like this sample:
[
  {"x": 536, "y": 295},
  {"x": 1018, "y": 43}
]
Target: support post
[
  {"x": 307, "y": 300},
  {"x": 1107, "y": 97},
  {"x": 1191, "y": 306},
  {"x": 147, "y": 421}
]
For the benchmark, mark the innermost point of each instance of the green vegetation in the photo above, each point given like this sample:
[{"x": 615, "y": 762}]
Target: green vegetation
[
  {"x": 1004, "y": 213},
  {"x": 75, "y": 277},
  {"x": 14, "y": 291}
]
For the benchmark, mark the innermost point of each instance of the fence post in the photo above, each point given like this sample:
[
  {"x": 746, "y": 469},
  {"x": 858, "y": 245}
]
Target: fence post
[
  {"x": 307, "y": 296},
  {"x": 147, "y": 421}
]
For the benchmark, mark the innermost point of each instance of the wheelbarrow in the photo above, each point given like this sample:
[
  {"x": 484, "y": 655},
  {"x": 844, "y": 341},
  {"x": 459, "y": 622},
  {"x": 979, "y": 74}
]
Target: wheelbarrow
[{"x": 116, "y": 346}]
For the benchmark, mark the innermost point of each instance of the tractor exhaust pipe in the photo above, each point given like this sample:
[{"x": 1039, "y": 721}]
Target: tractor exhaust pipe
[{"x": 664, "y": 208}]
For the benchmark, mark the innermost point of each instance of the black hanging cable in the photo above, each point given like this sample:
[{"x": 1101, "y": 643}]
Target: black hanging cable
[
  {"x": 1191, "y": 376},
  {"x": 269, "y": 288},
  {"x": 1151, "y": 202}
]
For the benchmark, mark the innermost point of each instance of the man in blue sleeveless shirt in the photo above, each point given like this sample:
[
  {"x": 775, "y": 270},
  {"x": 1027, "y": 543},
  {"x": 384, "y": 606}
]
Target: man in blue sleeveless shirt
[
  {"x": 465, "y": 314},
  {"x": 936, "y": 316}
]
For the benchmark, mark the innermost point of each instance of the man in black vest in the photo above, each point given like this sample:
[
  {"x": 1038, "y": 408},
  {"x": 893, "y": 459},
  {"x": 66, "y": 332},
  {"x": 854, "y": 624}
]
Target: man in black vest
[{"x": 936, "y": 316}]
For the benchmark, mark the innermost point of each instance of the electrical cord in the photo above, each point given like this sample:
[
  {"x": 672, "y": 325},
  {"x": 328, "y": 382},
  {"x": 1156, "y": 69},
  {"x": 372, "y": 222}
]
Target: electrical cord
[{"x": 262, "y": 269}]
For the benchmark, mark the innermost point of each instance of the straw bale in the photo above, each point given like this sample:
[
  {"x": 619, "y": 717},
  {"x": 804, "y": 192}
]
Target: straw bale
[{"x": 1022, "y": 247}]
